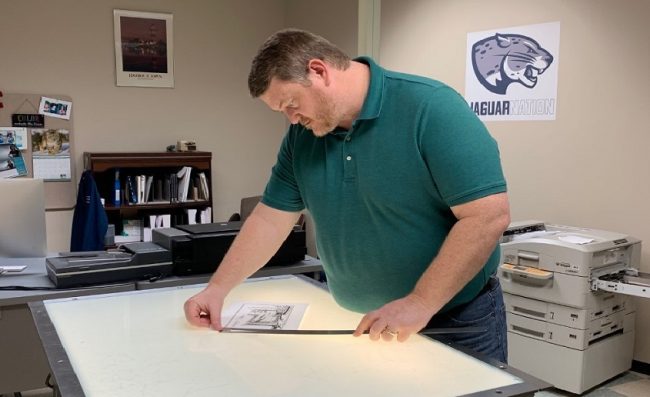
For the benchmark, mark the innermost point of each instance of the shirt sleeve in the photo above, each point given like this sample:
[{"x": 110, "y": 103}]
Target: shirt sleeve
[
  {"x": 462, "y": 157},
  {"x": 282, "y": 190}
]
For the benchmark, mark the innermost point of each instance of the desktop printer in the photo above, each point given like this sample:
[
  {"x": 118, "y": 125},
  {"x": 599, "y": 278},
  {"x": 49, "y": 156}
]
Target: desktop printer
[
  {"x": 199, "y": 248},
  {"x": 135, "y": 261},
  {"x": 570, "y": 321}
]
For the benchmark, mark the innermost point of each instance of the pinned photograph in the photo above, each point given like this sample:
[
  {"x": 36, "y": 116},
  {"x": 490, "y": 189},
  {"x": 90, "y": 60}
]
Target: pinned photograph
[
  {"x": 144, "y": 52},
  {"x": 52, "y": 107},
  {"x": 15, "y": 136},
  {"x": 12, "y": 163},
  {"x": 50, "y": 142}
]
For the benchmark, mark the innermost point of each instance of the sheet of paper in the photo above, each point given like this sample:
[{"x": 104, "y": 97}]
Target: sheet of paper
[
  {"x": 52, "y": 168},
  {"x": 573, "y": 239},
  {"x": 12, "y": 268},
  {"x": 264, "y": 315},
  {"x": 537, "y": 234}
]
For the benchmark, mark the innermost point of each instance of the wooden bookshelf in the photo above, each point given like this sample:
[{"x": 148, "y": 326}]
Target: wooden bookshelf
[{"x": 158, "y": 165}]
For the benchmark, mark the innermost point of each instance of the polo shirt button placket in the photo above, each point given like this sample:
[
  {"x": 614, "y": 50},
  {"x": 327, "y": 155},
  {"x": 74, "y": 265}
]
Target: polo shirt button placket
[{"x": 349, "y": 168}]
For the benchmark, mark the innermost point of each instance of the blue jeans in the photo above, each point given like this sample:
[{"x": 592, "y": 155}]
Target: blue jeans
[{"x": 486, "y": 310}]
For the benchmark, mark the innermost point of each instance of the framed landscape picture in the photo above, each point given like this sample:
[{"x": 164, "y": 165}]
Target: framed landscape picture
[{"x": 144, "y": 49}]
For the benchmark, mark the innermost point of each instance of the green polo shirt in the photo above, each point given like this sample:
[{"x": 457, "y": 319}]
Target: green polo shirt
[{"x": 380, "y": 194}]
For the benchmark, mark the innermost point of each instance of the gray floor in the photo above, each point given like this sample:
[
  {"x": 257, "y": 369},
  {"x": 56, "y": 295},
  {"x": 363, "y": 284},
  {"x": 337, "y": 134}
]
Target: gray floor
[{"x": 628, "y": 384}]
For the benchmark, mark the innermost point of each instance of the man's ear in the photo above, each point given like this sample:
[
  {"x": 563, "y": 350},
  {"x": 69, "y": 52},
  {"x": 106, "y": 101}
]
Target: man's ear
[{"x": 319, "y": 70}]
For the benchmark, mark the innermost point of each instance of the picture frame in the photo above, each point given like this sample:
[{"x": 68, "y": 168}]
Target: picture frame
[{"x": 144, "y": 49}]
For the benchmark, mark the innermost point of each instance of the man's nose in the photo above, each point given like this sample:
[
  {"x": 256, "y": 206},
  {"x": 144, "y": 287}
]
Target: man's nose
[{"x": 292, "y": 116}]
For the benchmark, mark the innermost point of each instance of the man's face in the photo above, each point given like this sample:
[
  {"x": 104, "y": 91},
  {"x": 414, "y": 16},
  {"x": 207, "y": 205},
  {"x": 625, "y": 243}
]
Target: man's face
[{"x": 304, "y": 104}]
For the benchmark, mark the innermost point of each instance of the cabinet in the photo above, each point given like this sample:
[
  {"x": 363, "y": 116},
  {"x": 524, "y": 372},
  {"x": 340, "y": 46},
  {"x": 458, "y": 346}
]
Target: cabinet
[{"x": 157, "y": 194}]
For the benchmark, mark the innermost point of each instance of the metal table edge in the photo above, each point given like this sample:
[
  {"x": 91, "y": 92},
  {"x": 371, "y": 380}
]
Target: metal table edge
[{"x": 66, "y": 380}]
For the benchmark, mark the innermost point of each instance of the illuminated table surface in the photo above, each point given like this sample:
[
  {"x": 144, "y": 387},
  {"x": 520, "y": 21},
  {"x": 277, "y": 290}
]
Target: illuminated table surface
[{"x": 139, "y": 344}]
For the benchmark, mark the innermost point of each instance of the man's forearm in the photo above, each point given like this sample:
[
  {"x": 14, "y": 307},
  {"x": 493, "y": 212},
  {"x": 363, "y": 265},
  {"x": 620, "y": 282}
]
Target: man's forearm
[{"x": 259, "y": 239}]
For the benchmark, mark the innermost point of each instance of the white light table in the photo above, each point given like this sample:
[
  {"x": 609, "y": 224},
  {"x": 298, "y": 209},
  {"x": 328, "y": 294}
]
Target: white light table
[{"x": 139, "y": 344}]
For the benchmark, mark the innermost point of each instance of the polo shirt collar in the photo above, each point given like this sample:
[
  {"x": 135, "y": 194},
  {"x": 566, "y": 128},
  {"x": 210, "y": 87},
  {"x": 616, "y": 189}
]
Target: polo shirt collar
[{"x": 372, "y": 104}]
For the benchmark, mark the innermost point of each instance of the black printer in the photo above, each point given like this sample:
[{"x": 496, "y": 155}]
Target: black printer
[
  {"x": 133, "y": 261},
  {"x": 199, "y": 248}
]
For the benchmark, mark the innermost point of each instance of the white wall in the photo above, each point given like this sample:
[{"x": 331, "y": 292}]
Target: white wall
[
  {"x": 68, "y": 48},
  {"x": 335, "y": 20},
  {"x": 591, "y": 166}
]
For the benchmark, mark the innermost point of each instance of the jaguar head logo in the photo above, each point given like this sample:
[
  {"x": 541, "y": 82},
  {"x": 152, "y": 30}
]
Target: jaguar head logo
[{"x": 503, "y": 59}]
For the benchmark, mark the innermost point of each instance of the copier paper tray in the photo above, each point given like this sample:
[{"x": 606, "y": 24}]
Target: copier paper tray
[
  {"x": 627, "y": 283},
  {"x": 136, "y": 261}
]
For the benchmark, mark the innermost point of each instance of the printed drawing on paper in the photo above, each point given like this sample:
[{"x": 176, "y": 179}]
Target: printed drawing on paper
[{"x": 266, "y": 315}]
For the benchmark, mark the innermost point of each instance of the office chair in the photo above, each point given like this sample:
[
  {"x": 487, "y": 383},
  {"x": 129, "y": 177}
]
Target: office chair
[{"x": 248, "y": 204}]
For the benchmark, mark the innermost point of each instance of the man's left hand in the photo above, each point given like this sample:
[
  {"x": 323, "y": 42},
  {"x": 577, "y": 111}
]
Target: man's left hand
[{"x": 400, "y": 318}]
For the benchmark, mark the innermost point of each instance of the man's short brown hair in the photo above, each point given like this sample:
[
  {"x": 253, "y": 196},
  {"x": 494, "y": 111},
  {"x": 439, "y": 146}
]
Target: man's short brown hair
[{"x": 286, "y": 55}]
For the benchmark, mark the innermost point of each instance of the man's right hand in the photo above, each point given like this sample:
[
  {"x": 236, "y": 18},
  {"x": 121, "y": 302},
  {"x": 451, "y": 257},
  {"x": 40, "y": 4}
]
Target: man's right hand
[
  {"x": 204, "y": 308},
  {"x": 260, "y": 237}
]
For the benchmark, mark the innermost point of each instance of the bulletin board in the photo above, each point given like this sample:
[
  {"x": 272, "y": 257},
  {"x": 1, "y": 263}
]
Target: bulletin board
[{"x": 60, "y": 194}]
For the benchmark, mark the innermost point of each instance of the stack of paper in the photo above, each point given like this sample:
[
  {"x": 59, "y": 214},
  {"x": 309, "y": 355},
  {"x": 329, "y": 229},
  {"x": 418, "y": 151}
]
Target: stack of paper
[{"x": 156, "y": 221}]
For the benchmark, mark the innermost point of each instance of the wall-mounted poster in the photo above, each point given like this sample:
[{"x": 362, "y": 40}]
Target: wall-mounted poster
[
  {"x": 511, "y": 73},
  {"x": 144, "y": 51}
]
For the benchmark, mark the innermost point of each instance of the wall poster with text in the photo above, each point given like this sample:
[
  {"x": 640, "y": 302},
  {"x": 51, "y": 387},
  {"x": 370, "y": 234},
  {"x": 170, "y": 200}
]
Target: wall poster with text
[
  {"x": 511, "y": 73},
  {"x": 144, "y": 51}
]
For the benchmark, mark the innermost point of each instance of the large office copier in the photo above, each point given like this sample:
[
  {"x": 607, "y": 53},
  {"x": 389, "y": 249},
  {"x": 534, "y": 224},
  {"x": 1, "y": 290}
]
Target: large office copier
[{"x": 567, "y": 294}]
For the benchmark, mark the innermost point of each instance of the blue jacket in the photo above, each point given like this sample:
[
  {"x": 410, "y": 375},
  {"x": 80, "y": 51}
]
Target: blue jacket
[{"x": 89, "y": 223}]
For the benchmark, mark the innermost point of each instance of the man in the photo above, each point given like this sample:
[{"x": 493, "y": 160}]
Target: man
[{"x": 404, "y": 185}]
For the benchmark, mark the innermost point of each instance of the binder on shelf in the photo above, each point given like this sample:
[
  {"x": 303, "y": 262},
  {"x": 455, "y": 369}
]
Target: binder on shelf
[
  {"x": 204, "y": 186},
  {"x": 167, "y": 183},
  {"x": 140, "y": 188},
  {"x": 183, "y": 177},
  {"x": 166, "y": 220},
  {"x": 147, "y": 234},
  {"x": 173, "y": 188},
  {"x": 158, "y": 196},
  {"x": 191, "y": 215},
  {"x": 132, "y": 192},
  {"x": 205, "y": 215},
  {"x": 154, "y": 222},
  {"x": 147, "y": 189}
]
